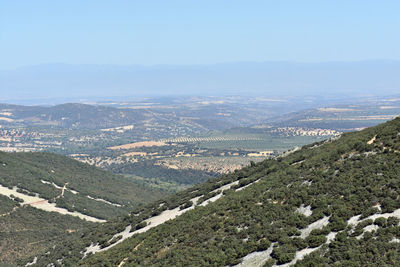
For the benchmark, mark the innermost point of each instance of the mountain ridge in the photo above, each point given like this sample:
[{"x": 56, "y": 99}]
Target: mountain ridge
[
  {"x": 305, "y": 208},
  {"x": 290, "y": 78}
]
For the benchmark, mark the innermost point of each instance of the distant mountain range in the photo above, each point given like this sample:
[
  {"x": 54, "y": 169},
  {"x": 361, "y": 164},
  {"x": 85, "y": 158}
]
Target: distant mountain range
[{"x": 267, "y": 78}]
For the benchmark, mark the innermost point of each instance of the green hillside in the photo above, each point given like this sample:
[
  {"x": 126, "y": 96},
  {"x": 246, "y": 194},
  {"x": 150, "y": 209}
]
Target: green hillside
[
  {"x": 332, "y": 202},
  {"x": 27, "y": 231},
  {"x": 46, "y": 173},
  {"x": 37, "y": 189}
]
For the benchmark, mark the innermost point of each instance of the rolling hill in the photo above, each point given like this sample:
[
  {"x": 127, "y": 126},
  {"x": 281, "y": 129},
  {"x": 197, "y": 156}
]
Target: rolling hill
[
  {"x": 46, "y": 198},
  {"x": 343, "y": 118},
  {"x": 200, "y": 142},
  {"x": 331, "y": 202},
  {"x": 196, "y": 114},
  {"x": 71, "y": 115}
]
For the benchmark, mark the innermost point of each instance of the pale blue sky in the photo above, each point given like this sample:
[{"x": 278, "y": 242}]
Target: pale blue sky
[{"x": 196, "y": 32}]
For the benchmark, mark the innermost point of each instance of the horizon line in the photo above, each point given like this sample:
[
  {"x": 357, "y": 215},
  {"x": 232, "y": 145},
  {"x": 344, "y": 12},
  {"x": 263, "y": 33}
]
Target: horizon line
[{"x": 197, "y": 64}]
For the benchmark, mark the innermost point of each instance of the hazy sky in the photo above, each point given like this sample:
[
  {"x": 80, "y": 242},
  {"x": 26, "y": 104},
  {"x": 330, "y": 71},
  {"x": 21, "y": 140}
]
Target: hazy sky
[{"x": 196, "y": 32}]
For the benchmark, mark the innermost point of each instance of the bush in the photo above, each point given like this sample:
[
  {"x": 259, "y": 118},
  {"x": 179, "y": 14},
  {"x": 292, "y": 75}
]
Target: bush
[
  {"x": 140, "y": 225},
  {"x": 283, "y": 254},
  {"x": 186, "y": 205},
  {"x": 263, "y": 245},
  {"x": 392, "y": 221},
  {"x": 381, "y": 221},
  {"x": 315, "y": 240}
]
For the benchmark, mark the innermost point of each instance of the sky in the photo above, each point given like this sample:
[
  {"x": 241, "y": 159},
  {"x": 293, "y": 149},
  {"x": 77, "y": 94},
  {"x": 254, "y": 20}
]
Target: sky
[{"x": 190, "y": 32}]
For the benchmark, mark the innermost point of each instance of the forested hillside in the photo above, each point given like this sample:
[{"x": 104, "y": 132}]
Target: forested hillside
[
  {"x": 335, "y": 201},
  {"x": 88, "y": 189},
  {"x": 47, "y": 198}
]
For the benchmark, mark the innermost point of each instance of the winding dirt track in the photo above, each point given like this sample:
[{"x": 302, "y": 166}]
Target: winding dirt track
[{"x": 43, "y": 204}]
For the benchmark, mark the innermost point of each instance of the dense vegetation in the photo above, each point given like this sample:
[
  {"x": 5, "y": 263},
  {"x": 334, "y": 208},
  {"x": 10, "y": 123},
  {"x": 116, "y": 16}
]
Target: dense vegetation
[
  {"x": 26, "y": 231},
  {"x": 147, "y": 169},
  {"x": 27, "y": 171},
  {"x": 338, "y": 179}
]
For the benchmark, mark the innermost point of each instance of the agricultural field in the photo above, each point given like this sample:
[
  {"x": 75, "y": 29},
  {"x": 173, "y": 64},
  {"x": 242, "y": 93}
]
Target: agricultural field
[
  {"x": 189, "y": 160},
  {"x": 219, "y": 165},
  {"x": 178, "y": 142},
  {"x": 259, "y": 142}
]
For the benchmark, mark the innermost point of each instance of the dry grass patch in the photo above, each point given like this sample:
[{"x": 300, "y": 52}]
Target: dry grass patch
[{"x": 138, "y": 144}]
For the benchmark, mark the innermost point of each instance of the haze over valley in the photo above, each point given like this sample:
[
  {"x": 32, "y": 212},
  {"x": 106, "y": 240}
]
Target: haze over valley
[{"x": 201, "y": 133}]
